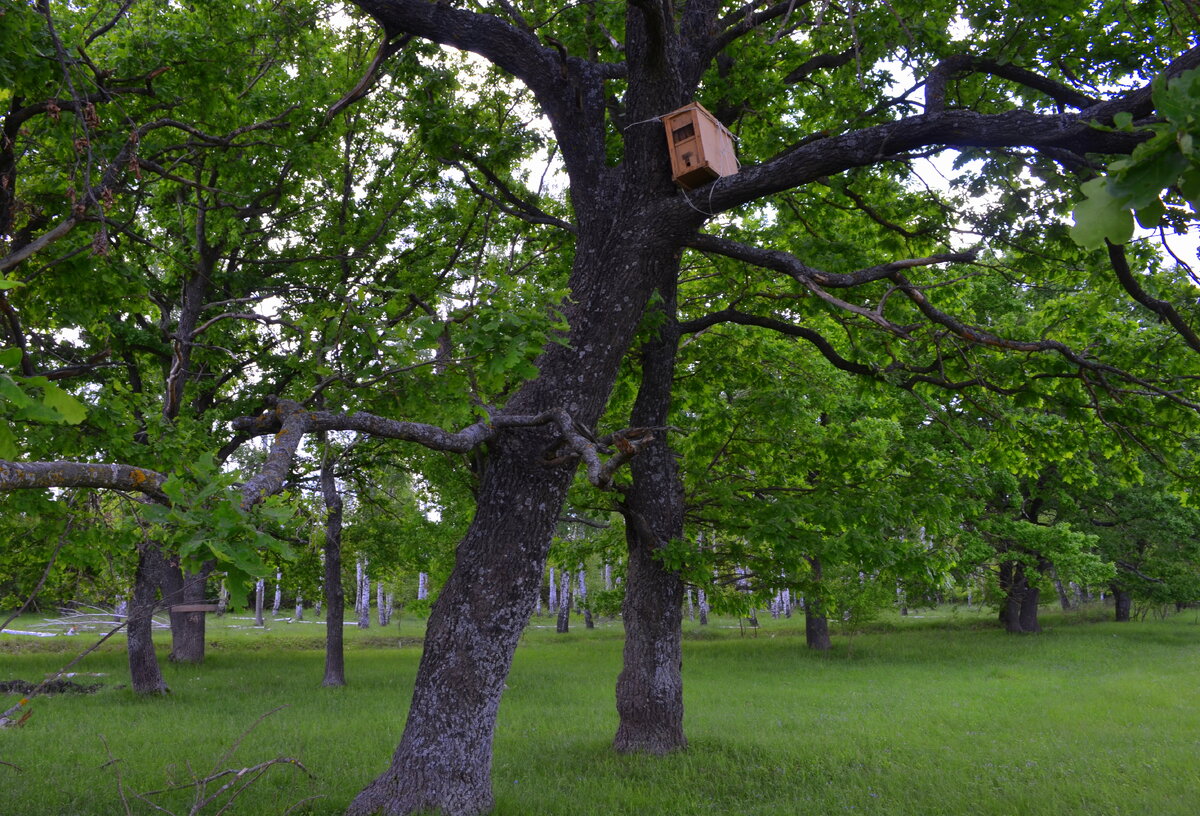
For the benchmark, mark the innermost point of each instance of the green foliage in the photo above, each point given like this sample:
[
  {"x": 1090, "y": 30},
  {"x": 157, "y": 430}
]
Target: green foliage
[
  {"x": 205, "y": 520},
  {"x": 1134, "y": 186},
  {"x": 31, "y": 399}
]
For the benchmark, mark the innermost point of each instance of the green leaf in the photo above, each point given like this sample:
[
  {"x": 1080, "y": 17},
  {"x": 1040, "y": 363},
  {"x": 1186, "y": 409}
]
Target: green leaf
[
  {"x": 8, "y": 443},
  {"x": 1100, "y": 216},
  {"x": 72, "y": 410}
]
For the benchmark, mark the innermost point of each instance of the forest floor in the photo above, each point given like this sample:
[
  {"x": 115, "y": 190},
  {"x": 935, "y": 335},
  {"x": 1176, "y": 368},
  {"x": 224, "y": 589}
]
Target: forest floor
[{"x": 936, "y": 713}]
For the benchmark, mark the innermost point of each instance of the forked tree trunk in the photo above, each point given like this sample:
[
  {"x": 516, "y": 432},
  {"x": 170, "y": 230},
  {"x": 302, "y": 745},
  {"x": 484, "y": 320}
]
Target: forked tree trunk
[
  {"x": 1019, "y": 608},
  {"x": 444, "y": 757},
  {"x": 335, "y": 596},
  {"x": 145, "y": 676}
]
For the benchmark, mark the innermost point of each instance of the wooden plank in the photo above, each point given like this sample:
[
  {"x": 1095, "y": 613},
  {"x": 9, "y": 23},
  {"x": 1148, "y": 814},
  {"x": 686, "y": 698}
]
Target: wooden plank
[{"x": 197, "y": 607}]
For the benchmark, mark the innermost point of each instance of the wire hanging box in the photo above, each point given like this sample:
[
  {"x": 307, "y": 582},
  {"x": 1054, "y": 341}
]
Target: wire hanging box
[{"x": 701, "y": 147}]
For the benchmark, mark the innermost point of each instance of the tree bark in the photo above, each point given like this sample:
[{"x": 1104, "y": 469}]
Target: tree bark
[
  {"x": 650, "y": 686},
  {"x": 335, "y": 596},
  {"x": 444, "y": 758},
  {"x": 144, "y": 673}
]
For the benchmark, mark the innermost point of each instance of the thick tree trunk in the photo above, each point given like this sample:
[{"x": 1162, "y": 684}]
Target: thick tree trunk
[
  {"x": 816, "y": 626},
  {"x": 1029, "y": 610},
  {"x": 1123, "y": 603},
  {"x": 650, "y": 687},
  {"x": 335, "y": 596},
  {"x": 816, "y": 623},
  {"x": 443, "y": 762},
  {"x": 144, "y": 673}
]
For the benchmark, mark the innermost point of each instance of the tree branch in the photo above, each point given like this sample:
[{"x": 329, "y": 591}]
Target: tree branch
[
  {"x": 44, "y": 475},
  {"x": 935, "y": 84},
  {"x": 1165, "y": 310}
]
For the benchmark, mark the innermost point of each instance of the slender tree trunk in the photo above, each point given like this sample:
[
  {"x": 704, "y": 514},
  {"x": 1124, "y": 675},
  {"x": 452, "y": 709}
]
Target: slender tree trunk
[
  {"x": 364, "y": 596},
  {"x": 422, "y": 586},
  {"x": 650, "y": 687},
  {"x": 1064, "y": 599},
  {"x": 382, "y": 612},
  {"x": 335, "y": 597},
  {"x": 144, "y": 672},
  {"x": 222, "y": 599},
  {"x": 564, "y": 603},
  {"x": 260, "y": 591},
  {"x": 702, "y": 602},
  {"x": 553, "y": 593}
]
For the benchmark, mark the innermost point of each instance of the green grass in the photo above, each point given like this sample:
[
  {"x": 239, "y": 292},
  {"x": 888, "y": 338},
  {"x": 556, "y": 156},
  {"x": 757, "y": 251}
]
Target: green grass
[{"x": 931, "y": 715}]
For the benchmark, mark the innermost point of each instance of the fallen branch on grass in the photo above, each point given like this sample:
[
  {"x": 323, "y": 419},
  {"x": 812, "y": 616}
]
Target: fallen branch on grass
[{"x": 233, "y": 782}]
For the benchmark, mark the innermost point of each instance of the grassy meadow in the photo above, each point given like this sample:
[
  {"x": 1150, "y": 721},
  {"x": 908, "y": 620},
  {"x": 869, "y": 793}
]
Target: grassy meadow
[{"x": 939, "y": 714}]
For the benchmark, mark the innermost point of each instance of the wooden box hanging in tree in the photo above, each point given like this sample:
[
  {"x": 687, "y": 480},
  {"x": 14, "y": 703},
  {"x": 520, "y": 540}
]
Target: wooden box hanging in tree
[{"x": 701, "y": 147}]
